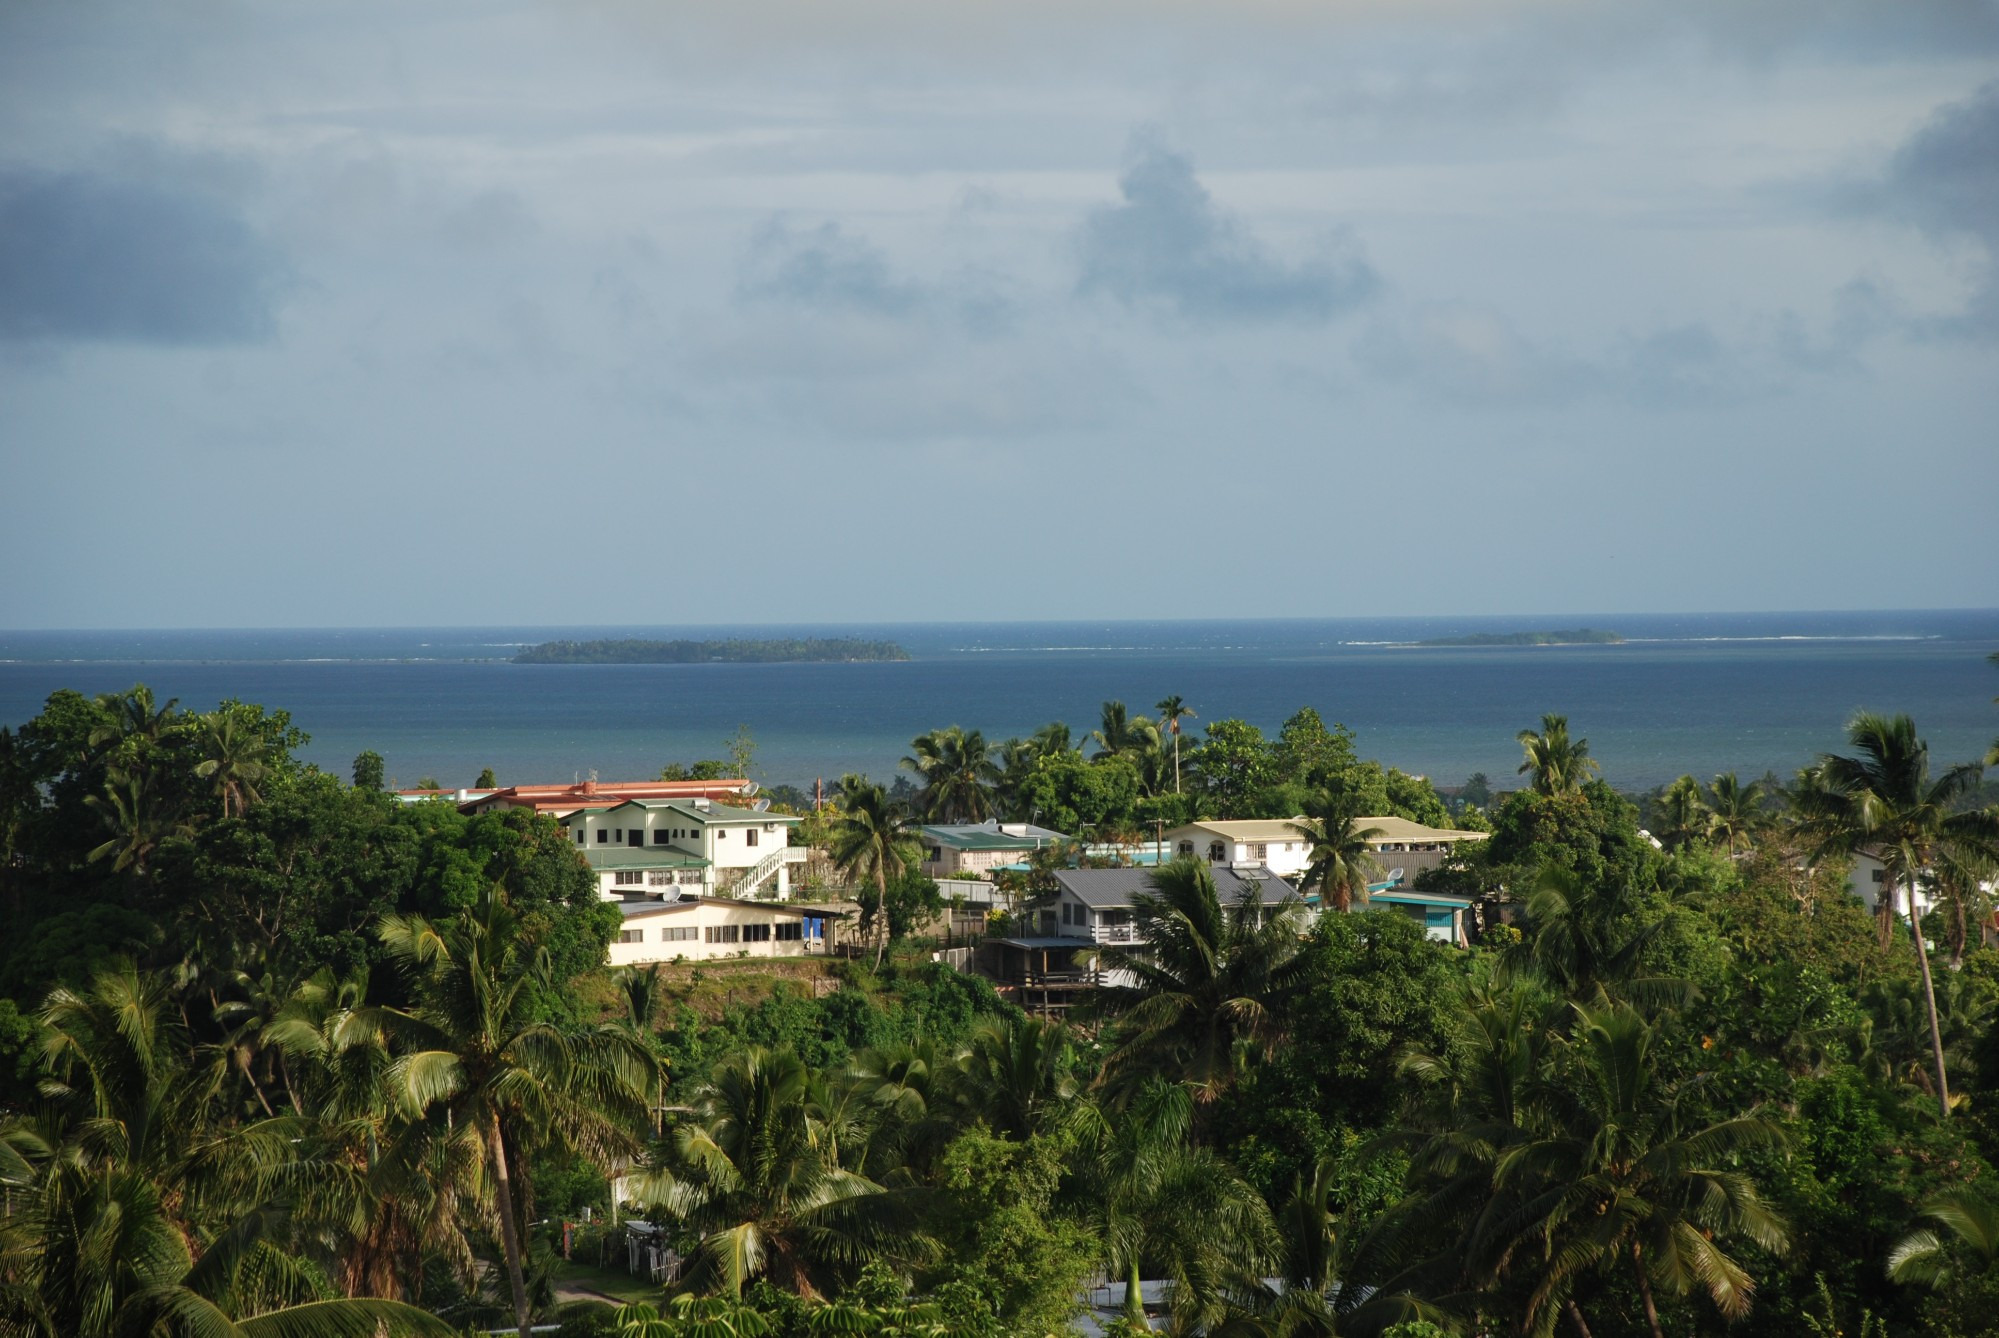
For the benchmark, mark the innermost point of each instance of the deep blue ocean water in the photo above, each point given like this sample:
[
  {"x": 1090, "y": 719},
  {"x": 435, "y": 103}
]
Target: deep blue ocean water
[{"x": 1685, "y": 693}]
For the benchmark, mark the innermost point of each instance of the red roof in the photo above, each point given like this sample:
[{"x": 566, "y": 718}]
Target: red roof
[{"x": 603, "y": 794}]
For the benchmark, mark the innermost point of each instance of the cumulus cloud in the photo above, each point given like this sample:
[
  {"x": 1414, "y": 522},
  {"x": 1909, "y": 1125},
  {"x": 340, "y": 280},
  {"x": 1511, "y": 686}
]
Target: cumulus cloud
[
  {"x": 825, "y": 268},
  {"x": 1168, "y": 245},
  {"x": 1945, "y": 179},
  {"x": 86, "y": 257}
]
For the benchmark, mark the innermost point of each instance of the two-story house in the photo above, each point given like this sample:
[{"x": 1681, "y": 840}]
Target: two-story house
[
  {"x": 1276, "y": 844},
  {"x": 699, "y": 846},
  {"x": 1051, "y": 967}
]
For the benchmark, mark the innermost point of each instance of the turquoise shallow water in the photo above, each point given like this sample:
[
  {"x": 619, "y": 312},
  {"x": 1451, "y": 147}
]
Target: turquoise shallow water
[{"x": 1699, "y": 693}]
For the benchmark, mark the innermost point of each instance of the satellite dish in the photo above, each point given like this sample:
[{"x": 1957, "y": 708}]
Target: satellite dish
[{"x": 1394, "y": 877}]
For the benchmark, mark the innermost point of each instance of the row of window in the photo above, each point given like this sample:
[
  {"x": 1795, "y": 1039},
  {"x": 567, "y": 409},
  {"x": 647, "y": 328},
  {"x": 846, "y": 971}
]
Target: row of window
[
  {"x": 671, "y": 934},
  {"x": 784, "y": 931},
  {"x": 655, "y": 877},
  {"x": 635, "y": 836}
]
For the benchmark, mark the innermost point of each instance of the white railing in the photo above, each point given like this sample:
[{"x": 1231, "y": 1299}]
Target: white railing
[
  {"x": 766, "y": 868},
  {"x": 1113, "y": 934}
]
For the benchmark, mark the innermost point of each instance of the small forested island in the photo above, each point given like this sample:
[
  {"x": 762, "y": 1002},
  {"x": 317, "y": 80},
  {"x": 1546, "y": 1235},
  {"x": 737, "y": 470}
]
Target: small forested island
[
  {"x": 734, "y": 650},
  {"x": 1570, "y": 636}
]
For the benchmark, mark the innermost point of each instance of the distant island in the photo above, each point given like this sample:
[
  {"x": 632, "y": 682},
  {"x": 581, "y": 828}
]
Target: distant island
[
  {"x": 790, "y": 650},
  {"x": 1571, "y": 636}
]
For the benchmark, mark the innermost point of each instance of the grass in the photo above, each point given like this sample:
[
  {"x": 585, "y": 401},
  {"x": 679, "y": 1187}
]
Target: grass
[{"x": 574, "y": 1275}]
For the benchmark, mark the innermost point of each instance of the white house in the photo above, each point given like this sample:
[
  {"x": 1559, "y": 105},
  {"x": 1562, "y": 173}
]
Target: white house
[
  {"x": 1869, "y": 877},
  {"x": 740, "y": 852},
  {"x": 1275, "y": 843},
  {"x": 710, "y": 928},
  {"x": 980, "y": 847}
]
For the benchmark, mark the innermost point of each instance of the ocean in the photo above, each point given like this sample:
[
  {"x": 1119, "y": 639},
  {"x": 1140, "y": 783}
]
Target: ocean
[{"x": 1684, "y": 693}]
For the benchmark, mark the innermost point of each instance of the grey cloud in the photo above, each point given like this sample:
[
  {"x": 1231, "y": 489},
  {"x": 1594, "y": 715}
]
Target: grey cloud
[
  {"x": 1475, "y": 357},
  {"x": 1169, "y": 245},
  {"x": 823, "y": 268},
  {"x": 830, "y": 271},
  {"x": 1945, "y": 179},
  {"x": 86, "y": 257}
]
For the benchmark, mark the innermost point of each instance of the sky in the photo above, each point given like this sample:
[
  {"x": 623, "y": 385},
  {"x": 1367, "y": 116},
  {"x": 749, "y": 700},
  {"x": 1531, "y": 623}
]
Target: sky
[{"x": 380, "y": 314}]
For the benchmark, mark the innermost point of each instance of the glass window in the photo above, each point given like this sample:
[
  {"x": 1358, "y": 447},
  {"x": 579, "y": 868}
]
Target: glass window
[
  {"x": 631, "y": 935},
  {"x": 750, "y": 837}
]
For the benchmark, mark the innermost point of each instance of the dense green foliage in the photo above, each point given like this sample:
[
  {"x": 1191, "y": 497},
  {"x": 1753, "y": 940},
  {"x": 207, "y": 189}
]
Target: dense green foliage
[
  {"x": 734, "y": 650},
  {"x": 281, "y": 1054}
]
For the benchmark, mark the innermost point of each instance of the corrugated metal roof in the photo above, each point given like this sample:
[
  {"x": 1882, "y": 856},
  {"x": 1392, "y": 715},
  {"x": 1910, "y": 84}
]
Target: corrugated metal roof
[{"x": 1109, "y": 889}]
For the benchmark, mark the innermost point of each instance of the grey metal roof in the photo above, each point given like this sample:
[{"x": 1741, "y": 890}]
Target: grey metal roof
[{"x": 1110, "y": 889}]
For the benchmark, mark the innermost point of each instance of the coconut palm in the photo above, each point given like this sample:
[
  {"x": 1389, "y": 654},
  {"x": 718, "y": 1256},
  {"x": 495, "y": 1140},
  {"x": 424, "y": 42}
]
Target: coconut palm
[
  {"x": 756, "y": 1175},
  {"x": 1682, "y": 813},
  {"x": 234, "y": 754},
  {"x": 1207, "y": 985},
  {"x": 958, "y": 774},
  {"x": 481, "y": 1062},
  {"x": 132, "y": 1214},
  {"x": 1611, "y": 1176},
  {"x": 138, "y": 819},
  {"x": 1019, "y": 1076},
  {"x": 873, "y": 839},
  {"x": 1736, "y": 810},
  {"x": 1178, "y": 1208},
  {"x": 134, "y": 714},
  {"x": 1119, "y": 734},
  {"x": 1964, "y": 1221},
  {"x": 1052, "y": 738},
  {"x": 1171, "y": 712},
  {"x": 409, "y": 1194},
  {"x": 1557, "y": 763},
  {"x": 1883, "y": 801},
  {"x": 1341, "y": 858}
]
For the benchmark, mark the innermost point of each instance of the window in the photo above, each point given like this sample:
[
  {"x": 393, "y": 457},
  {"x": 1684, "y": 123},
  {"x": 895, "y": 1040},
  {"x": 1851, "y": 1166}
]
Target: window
[
  {"x": 603, "y": 836},
  {"x": 725, "y": 933},
  {"x": 659, "y": 836},
  {"x": 790, "y": 931},
  {"x": 635, "y": 836},
  {"x": 1259, "y": 851},
  {"x": 628, "y": 878},
  {"x": 581, "y": 836},
  {"x": 679, "y": 934},
  {"x": 660, "y": 878},
  {"x": 756, "y": 933},
  {"x": 631, "y": 935},
  {"x": 750, "y": 837},
  {"x": 1876, "y": 875},
  {"x": 689, "y": 877},
  {"x": 721, "y": 832}
]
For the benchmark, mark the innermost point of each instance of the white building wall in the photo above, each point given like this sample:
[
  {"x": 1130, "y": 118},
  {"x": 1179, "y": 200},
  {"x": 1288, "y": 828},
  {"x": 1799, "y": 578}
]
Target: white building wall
[{"x": 651, "y": 944}]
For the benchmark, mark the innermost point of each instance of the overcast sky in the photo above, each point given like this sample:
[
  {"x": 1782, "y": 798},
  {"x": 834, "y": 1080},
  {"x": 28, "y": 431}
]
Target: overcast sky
[{"x": 376, "y": 314}]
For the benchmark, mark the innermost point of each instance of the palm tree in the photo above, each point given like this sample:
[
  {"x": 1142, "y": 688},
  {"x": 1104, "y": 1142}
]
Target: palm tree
[
  {"x": 1171, "y": 712},
  {"x": 958, "y": 774},
  {"x": 1924, "y": 1256},
  {"x": 1341, "y": 858},
  {"x": 1207, "y": 983},
  {"x": 499, "y": 1078},
  {"x": 873, "y": 839},
  {"x": 235, "y": 754},
  {"x": 132, "y": 715},
  {"x": 1737, "y": 809},
  {"x": 1610, "y": 1174},
  {"x": 755, "y": 1173},
  {"x": 1683, "y": 815},
  {"x": 1558, "y": 763},
  {"x": 138, "y": 819},
  {"x": 1883, "y": 801},
  {"x": 1119, "y": 735},
  {"x": 1019, "y": 1076},
  {"x": 1179, "y": 1208},
  {"x": 131, "y": 1213}
]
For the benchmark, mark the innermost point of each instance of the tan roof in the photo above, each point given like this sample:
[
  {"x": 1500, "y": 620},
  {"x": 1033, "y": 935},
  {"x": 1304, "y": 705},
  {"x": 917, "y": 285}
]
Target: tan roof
[{"x": 1389, "y": 831}]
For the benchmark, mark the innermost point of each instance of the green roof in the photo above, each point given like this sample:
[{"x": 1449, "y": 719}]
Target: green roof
[
  {"x": 975, "y": 837},
  {"x": 640, "y": 857}
]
